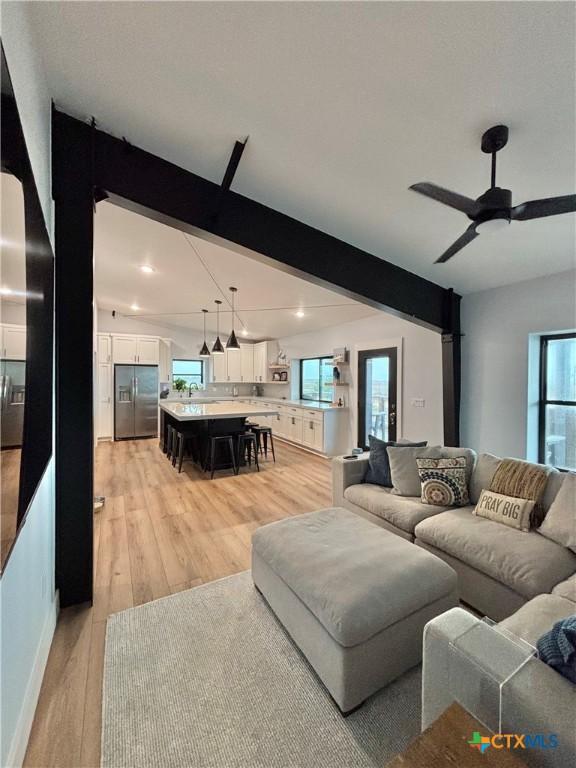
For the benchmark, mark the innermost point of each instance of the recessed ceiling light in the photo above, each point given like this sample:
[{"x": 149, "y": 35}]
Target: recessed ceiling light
[
  {"x": 147, "y": 269},
  {"x": 300, "y": 313},
  {"x": 135, "y": 307},
  {"x": 244, "y": 332},
  {"x": 6, "y": 291}
]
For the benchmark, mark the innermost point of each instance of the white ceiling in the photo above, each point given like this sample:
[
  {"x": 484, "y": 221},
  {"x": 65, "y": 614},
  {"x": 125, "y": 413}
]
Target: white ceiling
[
  {"x": 188, "y": 275},
  {"x": 346, "y": 104}
]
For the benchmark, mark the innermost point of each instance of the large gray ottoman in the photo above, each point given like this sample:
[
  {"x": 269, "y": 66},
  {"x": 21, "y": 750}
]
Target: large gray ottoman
[{"x": 353, "y": 596}]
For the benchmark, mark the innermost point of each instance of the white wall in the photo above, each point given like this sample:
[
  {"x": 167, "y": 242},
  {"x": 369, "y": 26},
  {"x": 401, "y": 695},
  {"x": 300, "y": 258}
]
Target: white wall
[
  {"x": 497, "y": 325},
  {"x": 421, "y": 368},
  {"x": 27, "y": 592}
]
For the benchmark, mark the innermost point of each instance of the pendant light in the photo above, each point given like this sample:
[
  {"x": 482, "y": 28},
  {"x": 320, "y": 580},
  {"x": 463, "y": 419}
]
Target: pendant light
[
  {"x": 217, "y": 349},
  {"x": 204, "y": 352},
  {"x": 232, "y": 342}
]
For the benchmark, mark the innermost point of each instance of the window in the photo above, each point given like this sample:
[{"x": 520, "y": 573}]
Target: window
[
  {"x": 317, "y": 379},
  {"x": 557, "y": 409},
  {"x": 192, "y": 371}
]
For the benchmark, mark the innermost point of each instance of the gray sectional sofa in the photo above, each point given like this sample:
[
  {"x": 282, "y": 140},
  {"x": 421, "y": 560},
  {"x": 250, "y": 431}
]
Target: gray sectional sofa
[{"x": 499, "y": 568}]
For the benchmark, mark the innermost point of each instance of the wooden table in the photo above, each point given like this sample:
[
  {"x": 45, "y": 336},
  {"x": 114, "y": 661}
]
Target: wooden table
[{"x": 445, "y": 745}]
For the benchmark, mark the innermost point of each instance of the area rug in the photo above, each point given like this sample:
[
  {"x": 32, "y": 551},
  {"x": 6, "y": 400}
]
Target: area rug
[{"x": 208, "y": 678}]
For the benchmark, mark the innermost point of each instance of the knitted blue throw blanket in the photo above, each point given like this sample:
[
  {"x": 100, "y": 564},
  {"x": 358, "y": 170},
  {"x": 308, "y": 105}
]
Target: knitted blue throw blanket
[{"x": 557, "y": 648}]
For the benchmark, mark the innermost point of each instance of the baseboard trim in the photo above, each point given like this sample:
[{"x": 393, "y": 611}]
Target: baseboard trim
[{"x": 19, "y": 744}]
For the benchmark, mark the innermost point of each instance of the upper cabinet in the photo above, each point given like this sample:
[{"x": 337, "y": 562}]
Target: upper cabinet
[
  {"x": 104, "y": 348},
  {"x": 148, "y": 352},
  {"x": 265, "y": 353},
  {"x": 248, "y": 365},
  {"x": 219, "y": 368},
  {"x": 247, "y": 362},
  {"x": 165, "y": 364},
  {"x": 233, "y": 364},
  {"x": 141, "y": 350},
  {"x": 13, "y": 342}
]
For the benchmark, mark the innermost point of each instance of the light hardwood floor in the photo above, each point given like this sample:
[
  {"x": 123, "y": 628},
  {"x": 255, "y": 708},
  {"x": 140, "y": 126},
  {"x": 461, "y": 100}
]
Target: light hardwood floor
[{"x": 158, "y": 533}]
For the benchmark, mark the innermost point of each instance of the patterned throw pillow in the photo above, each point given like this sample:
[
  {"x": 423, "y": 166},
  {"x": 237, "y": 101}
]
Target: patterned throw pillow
[{"x": 443, "y": 481}]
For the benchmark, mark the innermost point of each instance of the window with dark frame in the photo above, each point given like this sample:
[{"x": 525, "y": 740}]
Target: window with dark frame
[
  {"x": 317, "y": 379},
  {"x": 192, "y": 371},
  {"x": 557, "y": 404}
]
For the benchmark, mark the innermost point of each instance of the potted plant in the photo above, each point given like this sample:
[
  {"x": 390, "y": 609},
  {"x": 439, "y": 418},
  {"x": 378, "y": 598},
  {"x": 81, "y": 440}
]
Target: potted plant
[{"x": 179, "y": 385}]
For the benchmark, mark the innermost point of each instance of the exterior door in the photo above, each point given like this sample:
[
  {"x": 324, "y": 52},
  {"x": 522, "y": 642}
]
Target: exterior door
[{"x": 376, "y": 395}]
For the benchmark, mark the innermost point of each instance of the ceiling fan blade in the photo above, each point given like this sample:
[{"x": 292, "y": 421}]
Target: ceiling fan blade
[
  {"x": 463, "y": 240},
  {"x": 548, "y": 206},
  {"x": 453, "y": 199}
]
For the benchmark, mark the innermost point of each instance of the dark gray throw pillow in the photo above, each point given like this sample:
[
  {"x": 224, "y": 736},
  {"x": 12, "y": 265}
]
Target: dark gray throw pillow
[{"x": 378, "y": 472}]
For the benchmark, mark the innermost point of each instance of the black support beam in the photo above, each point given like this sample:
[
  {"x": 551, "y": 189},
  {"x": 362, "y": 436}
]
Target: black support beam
[
  {"x": 74, "y": 214},
  {"x": 90, "y": 165}
]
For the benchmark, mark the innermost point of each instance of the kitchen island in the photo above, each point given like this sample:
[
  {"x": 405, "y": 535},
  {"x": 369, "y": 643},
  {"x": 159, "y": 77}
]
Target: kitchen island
[{"x": 205, "y": 420}]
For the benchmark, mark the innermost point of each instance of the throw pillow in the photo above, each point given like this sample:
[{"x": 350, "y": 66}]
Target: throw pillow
[
  {"x": 509, "y": 510},
  {"x": 404, "y": 470},
  {"x": 378, "y": 472},
  {"x": 443, "y": 481},
  {"x": 557, "y": 648},
  {"x": 522, "y": 480},
  {"x": 484, "y": 471},
  {"x": 560, "y": 522}
]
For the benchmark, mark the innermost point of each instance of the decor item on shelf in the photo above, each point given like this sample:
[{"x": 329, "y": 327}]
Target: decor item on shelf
[
  {"x": 204, "y": 352},
  {"x": 232, "y": 342},
  {"x": 336, "y": 375},
  {"x": 283, "y": 375},
  {"x": 281, "y": 357},
  {"x": 217, "y": 348},
  {"x": 276, "y": 376},
  {"x": 340, "y": 355}
]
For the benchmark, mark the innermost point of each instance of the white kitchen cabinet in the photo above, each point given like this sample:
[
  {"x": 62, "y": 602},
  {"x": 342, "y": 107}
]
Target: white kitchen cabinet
[
  {"x": 104, "y": 411},
  {"x": 233, "y": 364},
  {"x": 313, "y": 433},
  {"x": 125, "y": 349},
  {"x": 219, "y": 368},
  {"x": 295, "y": 429},
  {"x": 13, "y": 342},
  {"x": 104, "y": 348},
  {"x": 247, "y": 362},
  {"x": 165, "y": 360},
  {"x": 265, "y": 353},
  {"x": 260, "y": 372},
  {"x": 148, "y": 351},
  {"x": 141, "y": 350}
]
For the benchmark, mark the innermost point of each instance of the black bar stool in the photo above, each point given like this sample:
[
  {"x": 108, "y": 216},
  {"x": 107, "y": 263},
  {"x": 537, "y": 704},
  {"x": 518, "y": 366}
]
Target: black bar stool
[
  {"x": 184, "y": 440},
  {"x": 213, "y": 441},
  {"x": 245, "y": 444},
  {"x": 262, "y": 434},
  {"x": 170, "y": 436}
]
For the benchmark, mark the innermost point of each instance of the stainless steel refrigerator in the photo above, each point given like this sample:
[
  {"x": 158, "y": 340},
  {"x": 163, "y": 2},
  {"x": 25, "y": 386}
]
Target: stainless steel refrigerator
[
  {"x": 12, "y": 389},
  {"x": 135, "y": 401}
]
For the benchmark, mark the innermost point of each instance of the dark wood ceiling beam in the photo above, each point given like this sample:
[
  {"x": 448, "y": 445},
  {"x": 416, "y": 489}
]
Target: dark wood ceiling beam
[{"x": 148, "y": 182}]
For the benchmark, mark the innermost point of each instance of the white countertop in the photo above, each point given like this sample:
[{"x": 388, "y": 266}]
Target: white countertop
[
  {"x": 227, "y": 409},
  {"x": 315, "y": 405},
  {"x": 201, "y": 399}
]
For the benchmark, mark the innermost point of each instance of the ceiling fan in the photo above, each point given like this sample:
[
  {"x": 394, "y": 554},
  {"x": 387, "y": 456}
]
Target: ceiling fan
[{"x": 493, "y": 210}]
